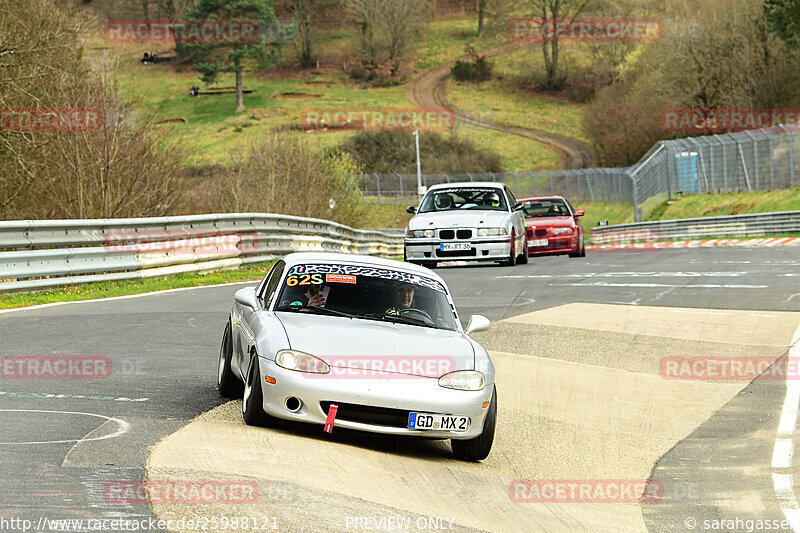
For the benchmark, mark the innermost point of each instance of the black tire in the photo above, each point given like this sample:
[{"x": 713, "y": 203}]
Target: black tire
[
  {"x": 478, "y": 449},
  {"x": 512, "y": 261},
  {"x": 523, "y": 258},
  {"x": 583, "y": 248},
  {"x": 253, "y": 398},
  {"x": 228, "y": 384}
]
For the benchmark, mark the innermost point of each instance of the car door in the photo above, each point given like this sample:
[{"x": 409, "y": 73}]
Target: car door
[{"x": 244, "y": 335}]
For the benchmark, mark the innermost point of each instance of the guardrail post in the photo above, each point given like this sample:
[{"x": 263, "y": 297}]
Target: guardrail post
[{"x": 378, "y": 181}]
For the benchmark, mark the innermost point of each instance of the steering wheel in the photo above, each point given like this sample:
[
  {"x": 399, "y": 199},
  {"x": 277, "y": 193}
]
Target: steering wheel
[{"x": 412, "y": 311}]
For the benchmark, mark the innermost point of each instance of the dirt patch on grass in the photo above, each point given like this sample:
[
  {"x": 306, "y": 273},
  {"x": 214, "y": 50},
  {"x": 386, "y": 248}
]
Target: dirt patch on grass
[{"x": 295, "y": 96}]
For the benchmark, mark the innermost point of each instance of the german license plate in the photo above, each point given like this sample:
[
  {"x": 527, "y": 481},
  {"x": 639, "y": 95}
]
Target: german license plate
[
  {"x": 431, "y": 421},
  {"x": 538, "y": 242},
  {"x": 455, "y": 247}
]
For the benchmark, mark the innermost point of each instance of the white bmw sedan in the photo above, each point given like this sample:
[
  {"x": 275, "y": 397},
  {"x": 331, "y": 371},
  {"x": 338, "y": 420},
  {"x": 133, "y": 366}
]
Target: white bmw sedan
[{"x": 467, "y": 222}]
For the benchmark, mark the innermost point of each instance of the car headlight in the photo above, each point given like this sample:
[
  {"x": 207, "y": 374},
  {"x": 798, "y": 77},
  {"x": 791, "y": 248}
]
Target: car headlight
[
  {"x": 421, "y": 234},
  {"x": 463, "y": 380},
  {"x": 561, "y": 231},
  {"x": 491, "y": 232},
  {"x": 301, "y": 362}
]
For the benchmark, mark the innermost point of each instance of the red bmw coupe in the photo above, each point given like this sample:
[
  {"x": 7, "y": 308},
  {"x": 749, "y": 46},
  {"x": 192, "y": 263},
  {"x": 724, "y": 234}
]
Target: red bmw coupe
[{"x": 553, "y": 226}]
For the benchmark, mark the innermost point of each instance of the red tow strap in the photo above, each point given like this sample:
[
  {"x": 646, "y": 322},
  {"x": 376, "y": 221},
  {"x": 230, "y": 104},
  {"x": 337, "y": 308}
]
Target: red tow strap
[{"x": 331, "y": 418}]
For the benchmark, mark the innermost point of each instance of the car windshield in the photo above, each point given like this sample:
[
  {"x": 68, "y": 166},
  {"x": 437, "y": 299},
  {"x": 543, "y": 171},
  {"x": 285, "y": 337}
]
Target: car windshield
[
  {"x": 464, "y": 198},
  {"x": 545, "y": 208},
  {"x": 366, "y": 292}
]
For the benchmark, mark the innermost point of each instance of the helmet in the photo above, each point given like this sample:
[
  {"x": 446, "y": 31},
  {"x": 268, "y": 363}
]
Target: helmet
[{"x": 492, "y": 199}]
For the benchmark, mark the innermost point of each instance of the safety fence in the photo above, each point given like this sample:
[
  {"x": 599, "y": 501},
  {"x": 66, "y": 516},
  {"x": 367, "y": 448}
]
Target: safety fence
[
  {"x": 38, "y": 254},
  {"x": 755, "y": 160}
]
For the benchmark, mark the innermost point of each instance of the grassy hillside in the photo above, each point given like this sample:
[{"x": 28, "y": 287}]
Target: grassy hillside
[{"x": 212, "y": 132}]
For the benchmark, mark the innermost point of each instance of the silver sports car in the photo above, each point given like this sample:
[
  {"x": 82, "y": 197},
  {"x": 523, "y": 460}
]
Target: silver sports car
[{"x": 362, "y": 343}]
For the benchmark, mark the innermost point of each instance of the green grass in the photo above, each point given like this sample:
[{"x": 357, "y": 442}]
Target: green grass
[
  {"x": 443, "y": 40},
  {"x": 517, "y": 153},
  {"x": 709, "y": 205},
  {"x": 502, "y": 101},
  {"x": 109, "y": 289}
]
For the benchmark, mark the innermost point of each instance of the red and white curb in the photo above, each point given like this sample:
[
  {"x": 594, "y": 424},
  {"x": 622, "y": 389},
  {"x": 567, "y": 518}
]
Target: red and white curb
[{"x": 766, "y": 242}]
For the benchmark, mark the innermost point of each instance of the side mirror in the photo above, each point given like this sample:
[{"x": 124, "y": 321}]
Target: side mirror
[
  {"x": 411, "y": 209},
  {"x": 246, "y": 297},
  {"x": 580, "y": 213},
  {"x": 478, "y": 323},
  {"x": 518, "y": 206}
]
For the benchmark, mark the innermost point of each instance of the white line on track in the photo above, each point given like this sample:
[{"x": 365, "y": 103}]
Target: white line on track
[
  {"x": 662, "y": 285},
  {"x": 784, "y": 445},
  {"x": 127, "y": 297},
  {"x": 122, "y": 426}
]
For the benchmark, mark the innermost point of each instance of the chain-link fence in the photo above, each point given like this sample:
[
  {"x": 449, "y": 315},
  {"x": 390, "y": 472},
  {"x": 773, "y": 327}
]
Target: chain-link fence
[{"x": 754, "y": 160}]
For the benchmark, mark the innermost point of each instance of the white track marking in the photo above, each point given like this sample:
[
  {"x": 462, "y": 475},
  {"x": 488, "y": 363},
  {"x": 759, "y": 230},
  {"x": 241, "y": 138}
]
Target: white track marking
[
  {"x": 784, "y": 444},
  {"x": 122, "y": 428},
  {"x": 662, "y": 285},
  {"x": 127, "y": 297},
  {"x": 49, "y": 395}
]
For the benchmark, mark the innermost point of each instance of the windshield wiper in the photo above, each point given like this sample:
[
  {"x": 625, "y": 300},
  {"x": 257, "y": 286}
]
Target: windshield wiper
[
  {"x": 399, "y": 319},
  {"x": 315, "y": 308}
]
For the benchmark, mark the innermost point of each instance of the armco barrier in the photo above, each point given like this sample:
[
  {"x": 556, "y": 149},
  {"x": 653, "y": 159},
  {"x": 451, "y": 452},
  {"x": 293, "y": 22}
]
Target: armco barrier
[
  {"x": 37, "y": 254},
  {"x": 757, "y": 225}
]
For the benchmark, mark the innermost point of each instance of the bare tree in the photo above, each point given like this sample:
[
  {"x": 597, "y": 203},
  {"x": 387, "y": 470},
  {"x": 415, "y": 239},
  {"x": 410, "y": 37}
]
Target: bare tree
[
  {"x": 387, "y": 28},
  {"x": 551, "y": 12}
]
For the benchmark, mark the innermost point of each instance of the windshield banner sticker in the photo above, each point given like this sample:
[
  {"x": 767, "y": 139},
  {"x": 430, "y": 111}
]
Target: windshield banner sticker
[{"x": 348, "y": 274}]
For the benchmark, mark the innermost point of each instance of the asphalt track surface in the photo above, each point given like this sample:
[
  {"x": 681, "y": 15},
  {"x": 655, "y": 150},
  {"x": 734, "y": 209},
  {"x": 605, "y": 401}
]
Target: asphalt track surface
[{"x": 60, "y": 447}]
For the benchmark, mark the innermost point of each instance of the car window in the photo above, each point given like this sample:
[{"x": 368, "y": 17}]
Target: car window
[
  {"x": 367, "y": 292},
  {"x": 464, "y": 199},
  {"x": 553, "y": 207},
  {"x": 512, "y": 200},
  {"x": 272, "y": 283}
]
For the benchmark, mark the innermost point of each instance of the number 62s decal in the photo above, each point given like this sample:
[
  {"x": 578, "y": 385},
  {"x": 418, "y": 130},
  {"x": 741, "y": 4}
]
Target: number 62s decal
[{"x": 304, "y": 279}]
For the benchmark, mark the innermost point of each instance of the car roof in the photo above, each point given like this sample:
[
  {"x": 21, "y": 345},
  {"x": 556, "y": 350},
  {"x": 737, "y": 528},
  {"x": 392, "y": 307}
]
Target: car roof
[
  {"x": 360, "y": 260},
  {"x": 551, "y": 197},
  {"x": 482, "y": 184}
]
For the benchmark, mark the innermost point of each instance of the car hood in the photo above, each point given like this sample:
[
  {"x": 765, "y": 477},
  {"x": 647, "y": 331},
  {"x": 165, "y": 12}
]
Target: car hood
[
  {"x": 549, "y": 222},
  {"x": 356, "y": 343},
  {"x": 459, "y": 219}
]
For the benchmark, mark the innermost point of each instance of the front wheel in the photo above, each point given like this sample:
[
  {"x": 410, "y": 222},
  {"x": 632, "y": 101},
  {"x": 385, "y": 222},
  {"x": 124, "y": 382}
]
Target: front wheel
[
  {"x": 523, "y": 257},
  {"x": 478, "y": 449},
  {"x": 253, "y": 398},
  {"x": 512, "y": 260},
  {"x": 227, "y": 383}
]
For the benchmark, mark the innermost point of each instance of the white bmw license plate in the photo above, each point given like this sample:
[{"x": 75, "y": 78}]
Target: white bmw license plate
[
  {"x": 429, "y": 421},
  {"x": 455, "y": 247},
  {"x": 539, "y": 242}
]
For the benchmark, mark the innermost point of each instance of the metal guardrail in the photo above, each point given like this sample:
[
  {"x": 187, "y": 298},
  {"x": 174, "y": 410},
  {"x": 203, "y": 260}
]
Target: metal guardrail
[
  {"x": 755, "y": 225},
  {"x": 38, "y": 254}
]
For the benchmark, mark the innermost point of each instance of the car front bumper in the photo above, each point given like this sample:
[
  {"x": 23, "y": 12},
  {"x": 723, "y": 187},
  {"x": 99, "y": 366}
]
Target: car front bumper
[
  {"x": 495, "y": 249},
  {"x": 555, "y": 245},
  {"x": 406, "y": 393}
]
